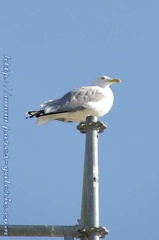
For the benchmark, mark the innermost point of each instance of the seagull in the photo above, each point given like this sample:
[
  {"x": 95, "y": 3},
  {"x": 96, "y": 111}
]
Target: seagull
[{"x": 76, "y": 105}]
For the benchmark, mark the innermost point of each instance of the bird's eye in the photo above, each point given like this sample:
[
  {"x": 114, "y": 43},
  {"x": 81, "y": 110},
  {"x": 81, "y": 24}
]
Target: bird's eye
[{"x": 102, "y": 77}]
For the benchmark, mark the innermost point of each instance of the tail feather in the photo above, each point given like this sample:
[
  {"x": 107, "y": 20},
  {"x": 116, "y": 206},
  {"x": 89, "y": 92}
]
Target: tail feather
[
  {"x": 47, "y": 117},
  {"x": 44, "y": 119}
]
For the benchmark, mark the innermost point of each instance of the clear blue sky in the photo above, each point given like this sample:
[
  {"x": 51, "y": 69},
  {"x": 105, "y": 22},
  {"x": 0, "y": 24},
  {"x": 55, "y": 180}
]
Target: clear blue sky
[{"x": 56, "y": 46}]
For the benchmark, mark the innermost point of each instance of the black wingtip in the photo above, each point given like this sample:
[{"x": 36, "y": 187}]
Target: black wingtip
[
  {"x": 34, "y": 114},
  {"x": 29, "y": 117}
]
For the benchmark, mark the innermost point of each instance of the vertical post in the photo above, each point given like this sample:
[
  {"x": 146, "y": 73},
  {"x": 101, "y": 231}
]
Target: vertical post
[
  {"x": 90, "y": 194},
  {"x": 92, "y": 174},
  {"x": 84, "y": 192}
]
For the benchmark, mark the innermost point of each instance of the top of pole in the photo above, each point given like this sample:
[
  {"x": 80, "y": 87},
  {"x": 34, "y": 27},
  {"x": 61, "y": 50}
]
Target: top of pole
[{"x": 91, "y": 122}]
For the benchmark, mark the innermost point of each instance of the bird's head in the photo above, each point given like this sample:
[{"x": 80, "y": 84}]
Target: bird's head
[{"x": 105, "y": 81}]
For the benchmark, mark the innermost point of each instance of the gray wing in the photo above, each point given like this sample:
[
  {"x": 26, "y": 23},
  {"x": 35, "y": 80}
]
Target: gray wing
[{"x": 73, "y": 100}]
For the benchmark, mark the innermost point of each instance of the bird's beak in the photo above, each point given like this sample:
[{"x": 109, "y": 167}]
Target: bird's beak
[{"x": 115, "y": 80}]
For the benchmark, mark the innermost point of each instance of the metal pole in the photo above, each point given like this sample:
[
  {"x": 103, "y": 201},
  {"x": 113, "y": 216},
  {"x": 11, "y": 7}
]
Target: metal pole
[
  {"x": 84, "y": 193},
  {"x": 90, "y": 194},
  {"x": 69, "y": 232},
  {"x": 92, "y": 173},
  {"x": 76, "y": 231}
]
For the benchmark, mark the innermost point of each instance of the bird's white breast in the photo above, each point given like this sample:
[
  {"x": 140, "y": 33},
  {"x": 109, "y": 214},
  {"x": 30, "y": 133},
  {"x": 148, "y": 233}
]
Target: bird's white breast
[{"x": 101, "y": 108}]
